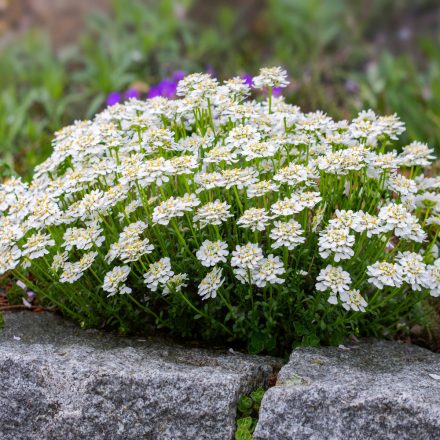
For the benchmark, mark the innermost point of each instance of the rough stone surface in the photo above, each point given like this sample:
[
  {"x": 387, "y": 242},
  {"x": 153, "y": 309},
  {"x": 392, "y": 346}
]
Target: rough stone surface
[
  {"x": 377, "y": 390},
  {"x": 60, "y": 382}
]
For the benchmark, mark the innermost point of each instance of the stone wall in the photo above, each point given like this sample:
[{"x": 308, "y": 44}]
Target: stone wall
[{"x": 58, "y": 382}]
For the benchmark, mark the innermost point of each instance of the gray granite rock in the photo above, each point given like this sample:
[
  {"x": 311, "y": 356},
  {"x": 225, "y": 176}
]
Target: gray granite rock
[
  {"x": 60, "y": 382},
  {"x": 377, "y": 390}
]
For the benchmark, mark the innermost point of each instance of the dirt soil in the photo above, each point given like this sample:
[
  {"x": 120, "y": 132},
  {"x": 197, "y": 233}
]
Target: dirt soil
[{"x": 63, "y": 19}]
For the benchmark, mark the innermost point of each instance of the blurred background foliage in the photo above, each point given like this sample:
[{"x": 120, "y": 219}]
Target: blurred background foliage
[{"x": 342, "y": 56}]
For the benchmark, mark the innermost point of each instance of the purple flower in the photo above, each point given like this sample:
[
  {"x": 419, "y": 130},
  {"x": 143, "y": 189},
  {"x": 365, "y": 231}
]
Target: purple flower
[
  {"x": 210, "y": 70},
  {"x": 178, "y": 75},
  {"x": 113, "y": 98},
  {"x": 247, "y": 79},
  {"x": 277, "y": 91},
  {"x": 154, "y": 91},
  {"x": 131, "y": 93},
  {"x": 166, "y": 88}
]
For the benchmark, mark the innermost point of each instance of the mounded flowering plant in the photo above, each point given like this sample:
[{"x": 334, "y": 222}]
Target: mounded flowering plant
[{"x": 224, "y": 219}]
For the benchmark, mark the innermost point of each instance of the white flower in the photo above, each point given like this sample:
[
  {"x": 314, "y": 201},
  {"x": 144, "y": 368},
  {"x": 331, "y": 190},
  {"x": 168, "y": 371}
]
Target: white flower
[
  {"x": 363, "y": 221},
  {"x": 428, "y": 199},
  {"x": 220, "y": 154},
  {"x": 382, "y": 162},
  {"x": 238, "y": 87},
  {"x": 268, "y": 271},
  {"x": 393, "y": 215},
  {"x": 416, "y": 153},
  {"x": 433, "y": 220},
  {"x": 36, "y": 245},
  {"x": 83, "y": 238},
  {"x": 129, "y": 251},
  {"x": 9, "y": 231},
  {"x": 260, "y": 188},
  {"x": 239, "y": 177},
  {"x": 402, "y": 185},
  {"x": 213, "y": 213},
  {"x": 285, "y": 207},
  {"x": 427, "y": 183},
  {"x": 306, "y": 199},
  {"x": 208, "y": 181},
  {"x": 185, "y": 164},
  {"x": 383, "y": 274},
  {"x": 391, "y": 125},
  {"x": 212, "y": 252},
  {"x": 342, "y": 161},
  {"x": 245, "y": 260},
  {"x": 9, "y": 258},
  {"x": 270, "y": 77},
  {"x": 433, "y": 278},
  {"x": 174, "y": 207},
  {"x": 413, "y": 270},
  {"x": 241, "y": 135},
  {"x": 247, "y": 256},
  {"x": 411, "y": 230},
  {"x": 86, "y": 261},
  {"x": 289, "y": 234},
  {"x": 158, "y": 274},
  {"x": 130, "y": 246},
  {"x": 296, "y": 203},
  {"x": 59, "y": 259},
  {"x": 254, "y": 218},
  {"x": 114, "y": 281},
  {"x": 354, "y": 301},
  {"x": 336, "y": 240},
  {"x": 209, "y": 286},
  {"x": 295, "y": 174},
  {"x": 343, "y": 218},
  {"x": 175, "y": 283},
  {"x": 335, "y": 279},
  {"x": 130, "y": 208},
  {"x": 71, "y": 273},
  {"x": 255, "y": 150},
  {"x": 158, "y": 139},
  {"x": 196, "y": 85}
]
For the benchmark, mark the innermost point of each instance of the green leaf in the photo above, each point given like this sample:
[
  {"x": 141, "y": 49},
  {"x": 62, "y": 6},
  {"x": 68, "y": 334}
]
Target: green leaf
[
  {"x": 245, "y": 404},
  {"x": 257, "y": 395},
  {"x": 243, "y": 435},
  {"x": 257, "y": 343},
  {"x": 245, "y": 423},
  {"x": 6, "y": 170}
]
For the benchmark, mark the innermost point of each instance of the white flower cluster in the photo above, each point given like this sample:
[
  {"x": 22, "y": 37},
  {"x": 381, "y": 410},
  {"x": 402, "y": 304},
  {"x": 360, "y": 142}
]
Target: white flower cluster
[
  {"x": 250, "y": 266},
  {"x": 212, "y": 188}
]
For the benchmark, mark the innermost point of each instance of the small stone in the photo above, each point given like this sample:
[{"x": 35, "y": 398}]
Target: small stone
[
  {"x": 380, "y": 390},
  {"x": 416, "y": 330}
]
